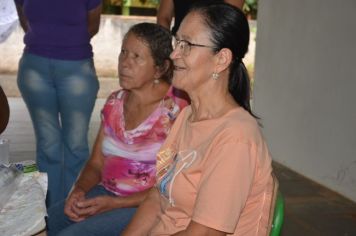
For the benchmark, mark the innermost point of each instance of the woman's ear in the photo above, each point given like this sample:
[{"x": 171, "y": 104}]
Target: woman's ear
[
  {"x": 160, "y": 70},
  {"x": 223, "y": 60}
]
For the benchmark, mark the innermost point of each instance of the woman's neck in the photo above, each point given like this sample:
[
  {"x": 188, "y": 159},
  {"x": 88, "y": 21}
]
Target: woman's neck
[
  {"x": 139, "y": 104},
  {"x": 211, "y": 99},
  {"x": 147, "y": 95},
  {"x": 211, "y": 106}
]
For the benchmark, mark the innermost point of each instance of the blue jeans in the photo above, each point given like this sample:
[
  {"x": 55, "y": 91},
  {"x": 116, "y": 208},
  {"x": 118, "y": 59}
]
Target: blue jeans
[
  {"x": 60, "y": 96},
  {"x": 108, "y": 223}
]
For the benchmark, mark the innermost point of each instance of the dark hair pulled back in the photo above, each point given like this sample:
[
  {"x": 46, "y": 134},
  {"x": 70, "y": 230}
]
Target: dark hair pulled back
[
  {"x": 229, "y": 29},
  {"x": 159, "y": 41}
]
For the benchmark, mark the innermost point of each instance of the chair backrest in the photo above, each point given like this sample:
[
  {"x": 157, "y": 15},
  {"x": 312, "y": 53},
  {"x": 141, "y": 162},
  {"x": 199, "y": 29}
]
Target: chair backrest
[{"x": 276, "y": 217}]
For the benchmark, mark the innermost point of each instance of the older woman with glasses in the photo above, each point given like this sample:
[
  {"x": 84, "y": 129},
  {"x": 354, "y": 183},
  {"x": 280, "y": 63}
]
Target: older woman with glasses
[{"x": 214, "y": 169}]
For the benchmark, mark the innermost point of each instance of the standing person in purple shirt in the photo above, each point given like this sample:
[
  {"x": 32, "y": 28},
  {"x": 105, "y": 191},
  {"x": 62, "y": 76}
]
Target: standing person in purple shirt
[{"x": 58, "y": 83}]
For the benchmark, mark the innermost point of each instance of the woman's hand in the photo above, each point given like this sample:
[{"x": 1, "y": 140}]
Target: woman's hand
[
  {"x": 77, "y": 207},
  {"x": 96, "y": 205},
  {"x": 70, "y": 208}
]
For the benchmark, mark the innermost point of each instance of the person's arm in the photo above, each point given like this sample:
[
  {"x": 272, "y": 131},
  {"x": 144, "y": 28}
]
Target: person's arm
[
  {"x": 94, "y": 20},
  {"x": 197, "y": 229},
  {"x": 91, "y": 173},
  {"x": 146, "y": 215},
  {"x": 89, "y": 177},
  {"x": 236, "y": 3},
  {"x": 165, "y": 13},
  {"x": 78, "y": 207},
  {"x": 22, "y": 17},
  {"x": 4, "y": 111},
  {"x": 93, "y": 206}
]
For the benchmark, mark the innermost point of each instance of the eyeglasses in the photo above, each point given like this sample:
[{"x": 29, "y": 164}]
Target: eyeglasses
[{"x": 185, "y": 46}]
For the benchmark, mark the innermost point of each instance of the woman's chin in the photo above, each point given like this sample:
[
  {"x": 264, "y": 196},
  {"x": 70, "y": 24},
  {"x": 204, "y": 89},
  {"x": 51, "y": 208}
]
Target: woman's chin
[
  {"x": 177, "y": 83},
  {"x": 123, "y": 85}
]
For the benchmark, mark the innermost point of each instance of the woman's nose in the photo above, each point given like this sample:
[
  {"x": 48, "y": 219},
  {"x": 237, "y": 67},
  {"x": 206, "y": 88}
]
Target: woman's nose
[
  {"x": 124, "y": 60},
  {"x": 176, "y": 53}
]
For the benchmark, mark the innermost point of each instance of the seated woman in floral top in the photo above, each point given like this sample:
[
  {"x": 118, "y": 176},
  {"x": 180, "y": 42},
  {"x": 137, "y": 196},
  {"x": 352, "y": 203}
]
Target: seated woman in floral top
[{"x": 135, "y": 122}]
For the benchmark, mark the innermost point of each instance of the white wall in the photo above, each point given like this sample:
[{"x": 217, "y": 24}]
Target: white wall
[{"x": 305, "y": 87}]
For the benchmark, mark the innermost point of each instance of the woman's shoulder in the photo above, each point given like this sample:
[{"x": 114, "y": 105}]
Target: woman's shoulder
[
  {"x": 113, "y": 102},
  {"x": 117, "y": 95},
  {"x": 241, "y": 126}
]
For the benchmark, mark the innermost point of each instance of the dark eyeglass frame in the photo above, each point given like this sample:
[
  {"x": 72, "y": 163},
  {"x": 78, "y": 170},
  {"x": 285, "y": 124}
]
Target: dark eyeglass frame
[{"x": 177, "y": 42}]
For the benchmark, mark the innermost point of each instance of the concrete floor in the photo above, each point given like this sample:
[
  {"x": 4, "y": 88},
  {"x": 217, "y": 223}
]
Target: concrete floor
[{"x": 310, "y": 209}]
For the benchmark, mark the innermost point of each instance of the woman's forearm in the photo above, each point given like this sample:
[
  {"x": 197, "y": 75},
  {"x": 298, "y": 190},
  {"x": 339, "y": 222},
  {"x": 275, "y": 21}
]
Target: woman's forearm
[
  {"x": 197, "y": 229},
  {"x": 133, "y": 200},
  {"x": 89, "y": 177},
  {"x": 22, "y": 18},
  {"x": 94, "y": 20},
  {"x": 236, "y": 3},
  {"x": 165, "y": 13},
  {"x": 91, "y": 173},
  {"x": 146, "y": 215}
]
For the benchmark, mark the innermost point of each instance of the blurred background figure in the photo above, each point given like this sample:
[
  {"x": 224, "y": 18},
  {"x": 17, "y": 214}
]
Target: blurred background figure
[
  {"x": 58, "y": 82},
  {"x": 4, "y": 111},
  {"x": 8, "y": 18},
  {"x": 178, "y": 9}
]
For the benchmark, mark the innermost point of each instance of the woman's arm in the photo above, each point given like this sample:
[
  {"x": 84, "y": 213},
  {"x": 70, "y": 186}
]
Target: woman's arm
[
  {"x": 91, "y": 173},
  {"x": 5, "y": 110},
  {"x": 146, "y": 215},
  {"x": 89, "y": 177},
  {"x": 92, "y": 206},
  {"x": 236, "y": 3},
  {"x": 78, "y": 207},
  {"x": 197, "y": 229},
  {"x": 165, "y": 13},
  {"x": 22, "y": 17},
  {"x": 94, "y": 20}
]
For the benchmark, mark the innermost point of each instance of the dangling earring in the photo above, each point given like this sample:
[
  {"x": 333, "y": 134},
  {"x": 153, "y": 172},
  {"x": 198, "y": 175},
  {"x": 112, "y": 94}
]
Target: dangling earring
[
  {"x": 156, "y": 81},
  {"x": 215, "y": 76}
]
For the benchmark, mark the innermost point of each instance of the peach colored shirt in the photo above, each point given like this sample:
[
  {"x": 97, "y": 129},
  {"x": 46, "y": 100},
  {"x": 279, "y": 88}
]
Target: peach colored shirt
[{"x": 217, "y": 173}]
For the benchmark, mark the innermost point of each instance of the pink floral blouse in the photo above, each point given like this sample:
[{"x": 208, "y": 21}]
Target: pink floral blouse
[{"x": 130, "y": 155}]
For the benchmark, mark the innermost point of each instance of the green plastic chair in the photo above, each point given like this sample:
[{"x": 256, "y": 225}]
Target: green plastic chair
[
  {"x": 278, "y": 216},
  {"x": 277, "y": 210}
]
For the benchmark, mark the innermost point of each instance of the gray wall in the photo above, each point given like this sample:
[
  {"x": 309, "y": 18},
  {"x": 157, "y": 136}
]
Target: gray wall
[{"x": 305, "y": 87}]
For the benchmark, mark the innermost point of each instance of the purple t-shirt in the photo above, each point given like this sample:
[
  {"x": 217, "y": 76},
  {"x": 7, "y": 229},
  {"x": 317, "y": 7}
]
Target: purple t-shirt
[{"x": 58, "y": 28}]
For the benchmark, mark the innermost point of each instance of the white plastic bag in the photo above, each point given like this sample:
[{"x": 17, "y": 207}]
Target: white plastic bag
[
  {"x": 24, "y": 213},
  {"x": 9, "y": 181}
]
